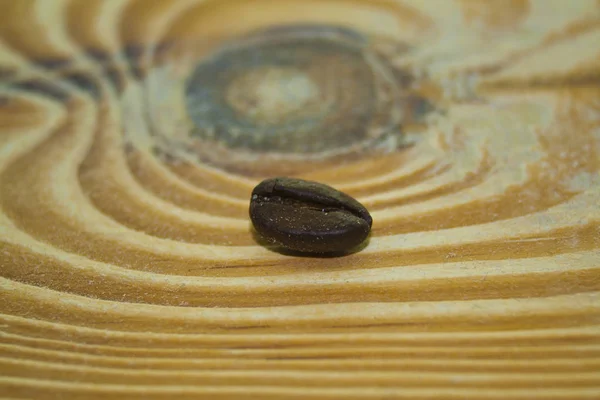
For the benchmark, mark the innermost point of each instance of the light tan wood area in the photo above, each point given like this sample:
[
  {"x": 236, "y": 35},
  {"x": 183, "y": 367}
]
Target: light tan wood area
[{"x": 133, "y": 131}]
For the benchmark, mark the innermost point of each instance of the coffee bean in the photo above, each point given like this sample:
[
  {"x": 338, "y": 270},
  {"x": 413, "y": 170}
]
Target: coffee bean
[{"x": 307, "y": 216}]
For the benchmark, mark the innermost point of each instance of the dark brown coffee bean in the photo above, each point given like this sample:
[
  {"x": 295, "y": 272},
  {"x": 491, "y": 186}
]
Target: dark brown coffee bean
[{"x": 308, "y": 216}]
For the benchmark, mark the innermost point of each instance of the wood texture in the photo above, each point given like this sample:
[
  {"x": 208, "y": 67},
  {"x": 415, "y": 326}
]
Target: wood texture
[{"x": 470, "y": 129}]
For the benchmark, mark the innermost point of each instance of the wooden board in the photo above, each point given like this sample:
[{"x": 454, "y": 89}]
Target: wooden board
[{"x": 133, "y": 131}]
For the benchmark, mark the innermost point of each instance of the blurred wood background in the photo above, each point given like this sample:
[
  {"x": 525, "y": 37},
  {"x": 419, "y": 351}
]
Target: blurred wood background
[{"x": 133, "y": 131}]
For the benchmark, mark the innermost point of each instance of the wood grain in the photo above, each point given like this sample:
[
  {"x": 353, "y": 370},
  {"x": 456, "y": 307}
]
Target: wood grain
[{"x": 133, "y": 131}]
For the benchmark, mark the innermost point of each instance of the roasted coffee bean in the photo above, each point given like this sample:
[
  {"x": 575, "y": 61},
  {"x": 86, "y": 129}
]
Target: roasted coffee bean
[{"x": 307, "y": 216}]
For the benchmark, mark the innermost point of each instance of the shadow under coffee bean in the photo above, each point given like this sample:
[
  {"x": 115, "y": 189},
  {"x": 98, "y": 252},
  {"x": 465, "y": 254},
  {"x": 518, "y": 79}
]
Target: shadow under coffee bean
[{"x": 308, "y": 217}]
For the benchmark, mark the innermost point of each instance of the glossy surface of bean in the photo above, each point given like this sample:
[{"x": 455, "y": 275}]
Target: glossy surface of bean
[{"x": 307, "y": 216}]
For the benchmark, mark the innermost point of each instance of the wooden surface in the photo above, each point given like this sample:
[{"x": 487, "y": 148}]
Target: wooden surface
[{"x": 128, "y": 266}]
